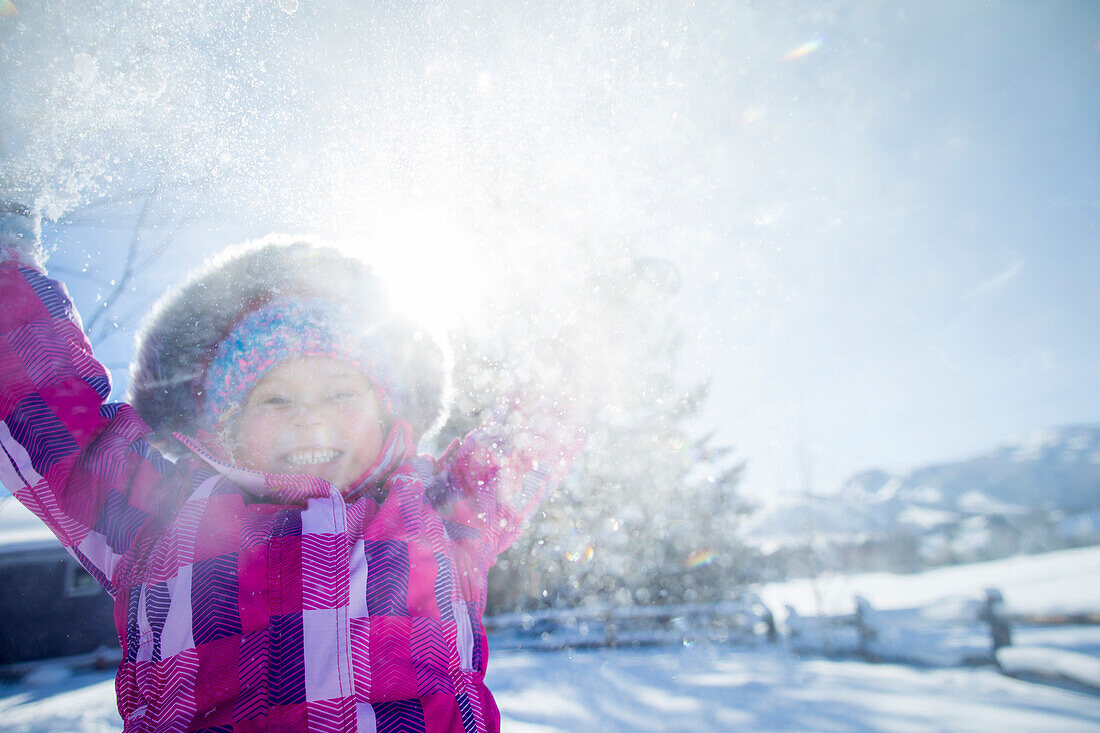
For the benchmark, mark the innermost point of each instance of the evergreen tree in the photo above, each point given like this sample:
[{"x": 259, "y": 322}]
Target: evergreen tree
[{"x": 649, "y": 513}]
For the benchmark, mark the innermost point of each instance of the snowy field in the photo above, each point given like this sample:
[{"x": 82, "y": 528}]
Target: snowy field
[
  {"x": 1054, "y": 582},
  {"x": 681, "y": 689},
  {"x": 722, "y": 688}
]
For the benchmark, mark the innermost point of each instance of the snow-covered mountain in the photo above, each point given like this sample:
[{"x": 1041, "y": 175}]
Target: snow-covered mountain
[
  {"x": 1056, "y": 470},
  {"x": 1029, "y": 496}
]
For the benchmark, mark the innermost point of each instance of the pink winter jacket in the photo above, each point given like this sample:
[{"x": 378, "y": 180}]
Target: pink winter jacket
[{"x": 253, "y": 602}]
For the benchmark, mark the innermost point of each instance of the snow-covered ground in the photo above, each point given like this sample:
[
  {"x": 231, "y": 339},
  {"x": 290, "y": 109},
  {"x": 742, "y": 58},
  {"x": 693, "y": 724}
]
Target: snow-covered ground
[
  {"x": 680, "y": 689},
  {"x": 721, "y": 687}
]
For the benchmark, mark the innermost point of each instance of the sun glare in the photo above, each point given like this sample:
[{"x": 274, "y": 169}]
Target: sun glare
[{"x": 433, "y": 271}]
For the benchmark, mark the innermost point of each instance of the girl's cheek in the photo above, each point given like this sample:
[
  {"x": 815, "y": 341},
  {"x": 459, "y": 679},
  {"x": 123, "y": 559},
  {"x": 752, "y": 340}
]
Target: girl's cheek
[{"x": 258, "y": 433}]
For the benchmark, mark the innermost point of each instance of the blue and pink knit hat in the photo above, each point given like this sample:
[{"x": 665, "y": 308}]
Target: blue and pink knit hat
[{"x": 291, "y": 329}]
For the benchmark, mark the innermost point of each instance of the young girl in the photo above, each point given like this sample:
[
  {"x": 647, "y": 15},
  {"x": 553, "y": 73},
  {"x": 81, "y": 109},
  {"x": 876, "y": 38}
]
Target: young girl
[{"x": 298, "y": 567}]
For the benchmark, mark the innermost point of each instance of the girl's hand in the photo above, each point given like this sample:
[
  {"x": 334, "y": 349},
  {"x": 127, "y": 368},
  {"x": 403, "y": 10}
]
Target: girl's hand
[{"x": 20, "y": 235}]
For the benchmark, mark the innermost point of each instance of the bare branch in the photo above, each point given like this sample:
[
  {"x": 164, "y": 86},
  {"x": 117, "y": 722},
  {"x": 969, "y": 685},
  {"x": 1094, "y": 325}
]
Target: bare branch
[
  {"x": 70, "y": 274},
  {"x": 127, "y": 274}
]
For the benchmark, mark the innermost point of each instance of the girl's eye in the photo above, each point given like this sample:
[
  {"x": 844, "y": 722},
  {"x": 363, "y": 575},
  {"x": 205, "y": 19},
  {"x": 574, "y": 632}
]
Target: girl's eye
[
  {"x": 275, "y": 401},
  {"x": 342, "y": 395}
]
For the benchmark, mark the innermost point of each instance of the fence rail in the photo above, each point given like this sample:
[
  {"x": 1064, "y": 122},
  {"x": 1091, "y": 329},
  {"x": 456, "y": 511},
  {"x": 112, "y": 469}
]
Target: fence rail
[{"x": 745, "y": 620}]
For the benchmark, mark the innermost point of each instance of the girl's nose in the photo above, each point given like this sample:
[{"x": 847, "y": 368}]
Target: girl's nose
[{"x": 308, "y": 413}]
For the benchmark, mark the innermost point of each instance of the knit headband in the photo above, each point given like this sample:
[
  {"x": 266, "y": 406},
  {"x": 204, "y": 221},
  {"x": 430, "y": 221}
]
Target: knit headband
[{"x": 289, "y": 329}]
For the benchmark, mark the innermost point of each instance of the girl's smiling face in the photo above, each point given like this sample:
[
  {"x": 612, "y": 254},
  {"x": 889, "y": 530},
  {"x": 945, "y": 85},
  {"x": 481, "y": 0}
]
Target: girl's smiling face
[{"x": 314, "y": 415}]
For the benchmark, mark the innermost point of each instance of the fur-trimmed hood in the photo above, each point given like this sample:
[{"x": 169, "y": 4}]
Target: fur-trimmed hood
[{"x": 178, "y": 339}]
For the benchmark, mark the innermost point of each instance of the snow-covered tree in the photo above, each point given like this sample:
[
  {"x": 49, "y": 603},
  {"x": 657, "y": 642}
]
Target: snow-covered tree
[{"x": 648, "y": 514}]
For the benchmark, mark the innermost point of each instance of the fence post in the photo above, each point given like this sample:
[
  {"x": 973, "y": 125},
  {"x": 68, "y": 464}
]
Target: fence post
[
  {"x": 769, "y": 624},
  {"x": 993, "y": 613},
  {"x": 867, "y": 631}
]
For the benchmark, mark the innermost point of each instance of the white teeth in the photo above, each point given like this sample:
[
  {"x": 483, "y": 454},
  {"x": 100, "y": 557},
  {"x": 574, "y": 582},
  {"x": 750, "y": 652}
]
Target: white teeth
[{"x": 310, "y": 456}]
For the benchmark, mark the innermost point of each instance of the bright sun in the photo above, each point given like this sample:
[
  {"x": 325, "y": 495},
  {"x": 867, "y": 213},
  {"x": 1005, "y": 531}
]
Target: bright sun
[{"x": 431, "y": 267}]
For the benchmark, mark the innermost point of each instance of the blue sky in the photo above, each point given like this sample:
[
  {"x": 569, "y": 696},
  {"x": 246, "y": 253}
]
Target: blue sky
[
  {"x": 932, "y": 280},
  {"x": 889, "y": 241}
]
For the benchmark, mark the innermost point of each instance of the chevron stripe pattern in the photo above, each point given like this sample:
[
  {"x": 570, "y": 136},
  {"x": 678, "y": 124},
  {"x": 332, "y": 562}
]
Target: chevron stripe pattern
[
  {"x": 469, "y": 720},
  {"x": 164, "y": 562},
  {"x": 410, "y": 497},
  {"x": 252, "y": 675},
  {"x": 45, "y": 438},
  {"x": 157, "y": 601},
  {"x": 444, "y": 587},
  {"x": 324, "y": 585},
  {"x": 431, "y": 658},
  {"x": 50, "y": 293},
  {"x": 14, "y": 385},
  {"x": 255, "y": 534},
  {"x": 126, "y": 688},
  {"x": 288, "y": 523},
  {"x": 251, "y": 707},
  {"x": 214, "y": 599},
  {"x": 284, "y": 568},
  {"x": 242, "y": 595},
  {"x": 400, "y": 716},
  {"x": 361, "y": 658},
  {"x": 331, "y": 716},
  {"x": 392, "y": 673},
  {"x": 44, "y": 352},
  {"x": 141, "y": 447},
  {"x": 78, "y": 505},
  {"x": 87, "y": 369},
  {"x": 387, "y": 578},
  {"x": 118, "y": 521},
  {"x": 100, "y": 460},
  {"x": 286, "y": 679},
  {"x": 188, "y": 522},
  {"x": 133, "y": 633},
  {"x": 460, "y": 532},
  {"x": 175, "y": 679},
  {"x": 479, "y": 645}
]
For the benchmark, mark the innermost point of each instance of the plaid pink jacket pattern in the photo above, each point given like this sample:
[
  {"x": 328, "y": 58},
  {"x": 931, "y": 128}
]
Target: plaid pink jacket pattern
[{"x": 253, "y": 602}]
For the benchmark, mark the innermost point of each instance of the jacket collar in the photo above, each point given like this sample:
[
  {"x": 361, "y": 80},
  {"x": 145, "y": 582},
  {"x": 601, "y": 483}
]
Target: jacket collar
[{"x": 297, "y": 488}]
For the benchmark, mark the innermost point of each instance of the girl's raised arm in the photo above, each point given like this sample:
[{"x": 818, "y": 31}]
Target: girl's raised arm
[
  {"x": 78, "y": 463},
  {"x": 498, "y": 474}
]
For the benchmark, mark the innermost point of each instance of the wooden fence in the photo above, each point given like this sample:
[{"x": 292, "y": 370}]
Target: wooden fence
[
  {"x": 745, "y": 620},
  {"x": 959, "y": 631}
]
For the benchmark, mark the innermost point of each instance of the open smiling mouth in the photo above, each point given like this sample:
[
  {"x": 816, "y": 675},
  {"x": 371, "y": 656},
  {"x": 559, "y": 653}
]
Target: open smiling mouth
[{"x": 311, "y": 456}]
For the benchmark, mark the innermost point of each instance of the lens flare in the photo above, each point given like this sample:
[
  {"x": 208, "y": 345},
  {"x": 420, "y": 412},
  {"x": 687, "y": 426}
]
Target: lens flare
[
  {"x": 699, "y": 558},
  {"x": 585, "y": 555},
  {"x": 806, "y": 48},
  {"x": 7, "y": 7}
]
